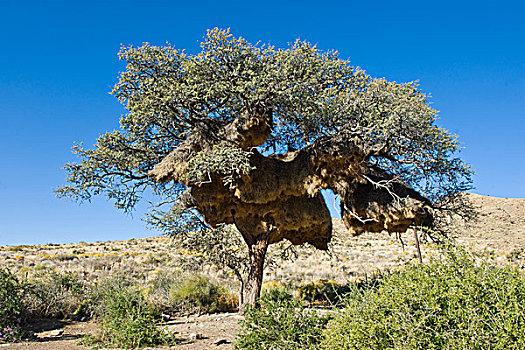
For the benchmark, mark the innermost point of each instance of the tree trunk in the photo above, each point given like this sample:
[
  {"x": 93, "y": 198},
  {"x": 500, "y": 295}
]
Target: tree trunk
[
  {"x": 257, "y": 254},
  {"x": 417, "y": 246},
  {"x": 241, "y": 287},
  {"x": 241, "y": 295}
]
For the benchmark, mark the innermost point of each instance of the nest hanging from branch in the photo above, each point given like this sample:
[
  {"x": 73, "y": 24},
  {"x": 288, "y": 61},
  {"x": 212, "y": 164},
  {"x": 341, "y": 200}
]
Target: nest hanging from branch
[{"x": 281, "y": 196}]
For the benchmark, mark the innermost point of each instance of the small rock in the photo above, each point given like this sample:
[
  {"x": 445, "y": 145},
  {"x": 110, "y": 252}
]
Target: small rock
[
  {"x": 56, "y": 333},
  {"x": 49, "y": 334},
  {"x": 165, "y": 317},
  {"x": 220, "y": 341},
  {"x": 194, "y": 336}
]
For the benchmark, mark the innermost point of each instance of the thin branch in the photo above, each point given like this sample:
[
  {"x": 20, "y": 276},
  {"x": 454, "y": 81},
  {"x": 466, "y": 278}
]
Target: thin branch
[
  {"x": 354, "y": 215},
  {"x": 385, "y": 185}
]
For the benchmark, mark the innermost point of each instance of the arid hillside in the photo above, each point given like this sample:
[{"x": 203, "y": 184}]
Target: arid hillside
[{"x": 499, "y": 233}]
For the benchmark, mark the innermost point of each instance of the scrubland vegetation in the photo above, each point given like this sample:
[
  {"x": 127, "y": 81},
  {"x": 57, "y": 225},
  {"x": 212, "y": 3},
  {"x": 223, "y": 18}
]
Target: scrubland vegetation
[
  {"x": 456, "y": 300},
  {"x": 369, "y": 293},
  {"x": 453, "y": 302},
  {"x": 128, "y": 312}
]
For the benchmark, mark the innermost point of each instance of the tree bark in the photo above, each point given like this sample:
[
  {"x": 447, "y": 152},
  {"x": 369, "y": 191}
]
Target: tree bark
[
  {"x": 257, "y": 253},
  {"x": 241, "y": 295},
  {"x": 417, "y": 246},
  {"x": 241, "y": 288}
]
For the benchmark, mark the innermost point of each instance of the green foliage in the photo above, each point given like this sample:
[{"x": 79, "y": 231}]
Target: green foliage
[
  {"x": 11, "y": 307},
  {"x": 322, "y": 290},
  {"x": 175, "y": 221},
  {"x": 222, "y": 246},
  {"x": 39, "y": 267},
  {"x": 225, "y": 161},
  {"x": 452, "y": 303},
  {"x": 281, "y": 324},
  {"x": 274, "y": 292},
  {"x": 198, "y": 294},
  {"x": 517, "y": 256},
  {"x": 126, "y": 319},
  {"x": 312, "y": 95}
]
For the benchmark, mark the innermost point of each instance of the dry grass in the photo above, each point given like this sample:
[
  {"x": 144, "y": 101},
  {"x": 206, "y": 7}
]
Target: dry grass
[{"x": 499, "y": 234}]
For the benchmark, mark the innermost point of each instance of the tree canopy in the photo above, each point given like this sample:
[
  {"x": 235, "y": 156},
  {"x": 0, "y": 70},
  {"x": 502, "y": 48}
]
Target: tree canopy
[{"x": 248, "y": 134}]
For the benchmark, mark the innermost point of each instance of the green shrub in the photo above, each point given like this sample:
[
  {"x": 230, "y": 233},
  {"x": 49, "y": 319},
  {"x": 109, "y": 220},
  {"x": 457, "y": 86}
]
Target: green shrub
[
  {"x": 39, "y": 267},
  {"x": 11, "y": 296},
  {"x": 15, "y": 248},
  {"x": 159, "y": 287},
  {"x": 198, "y": 294},
  {"x": 323, "y": 291},
  {"x": 517, "y": 255},
  {"x": 126, "y": 319},
  {"x": 451, "y": 303},
  {"x": 275, "y": 292},
  {"x": 280, "y": 324}
]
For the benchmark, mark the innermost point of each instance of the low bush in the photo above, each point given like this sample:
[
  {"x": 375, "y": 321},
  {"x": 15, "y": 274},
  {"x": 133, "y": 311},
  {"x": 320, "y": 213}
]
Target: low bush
[
  {"x": 11, "y": 307},
  {"x": 281, "y": 324},
  {"x": 450, "y": 303},
  {"x": 197, "y": 294},
  {"x": 158, "y": 290},
  {"x": 273, "y": 291},
  {"x": 323, "y": 291},
  {"x": 126, "y": 319},
  {"x": 56, "y": 295}
]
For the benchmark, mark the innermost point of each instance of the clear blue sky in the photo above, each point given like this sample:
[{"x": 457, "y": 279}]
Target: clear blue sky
[{"x": 58, "y": 61}]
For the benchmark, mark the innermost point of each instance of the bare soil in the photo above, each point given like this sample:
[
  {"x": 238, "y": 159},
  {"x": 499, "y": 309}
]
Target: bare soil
[
  {"x": 47, "y": 338},
  {"x": 193, "y": 332},
  {"x": 499, "y": 234}
]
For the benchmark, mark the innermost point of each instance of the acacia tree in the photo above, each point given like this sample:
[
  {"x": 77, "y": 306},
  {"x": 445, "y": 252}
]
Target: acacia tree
[{"x": 248, "y": 135}]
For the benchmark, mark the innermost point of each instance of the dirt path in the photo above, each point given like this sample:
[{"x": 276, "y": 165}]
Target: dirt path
[
  {"x": 194, "y": 332},
  {"x": 202, "y": 332}
]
